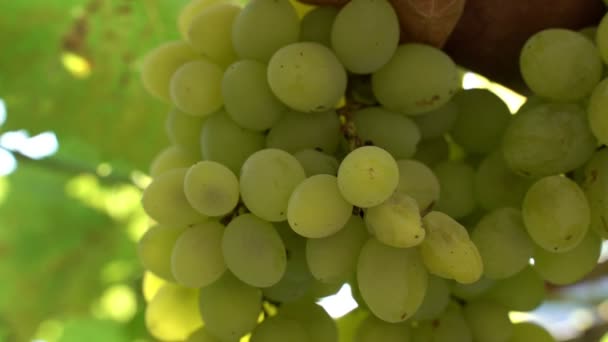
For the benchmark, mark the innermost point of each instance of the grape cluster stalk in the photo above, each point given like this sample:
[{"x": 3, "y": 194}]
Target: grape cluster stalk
[{"x": 311, "y": 149}]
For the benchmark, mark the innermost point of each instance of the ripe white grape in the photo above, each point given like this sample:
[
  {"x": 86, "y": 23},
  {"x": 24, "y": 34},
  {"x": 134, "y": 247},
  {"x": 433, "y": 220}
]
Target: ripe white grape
[
  {"x": 595, "y": 186},
  {"x": 172, "y": 314},
  {"x": 489, "y": 321},
  {"x": 508, "y": 292},
  {"x": 296, "y": 131},
  {"x": 316, "y": 163},
  {"x": 154, "y": 250},
  {"x": 279, "y": 329},
  {"x": 316, "y": 25},
  {"x": 373, "y": 329},
  {"x": 170, "y": 158},
  {"x": 418, "y": 181},
  {"x": 196, "y": 88},
  {"x": 184, "y": 130},
  {"x": 211, "y": 188},
  {"x": 598, "y": 115},
  {"x": 528, "y": 331}
]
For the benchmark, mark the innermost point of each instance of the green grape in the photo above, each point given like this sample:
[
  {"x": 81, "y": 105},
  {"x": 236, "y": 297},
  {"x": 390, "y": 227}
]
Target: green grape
[
  {"x": 481, "y": 122},
  {"x": 601, "y": 39},
  {"x": 432, "y": 152},
  {"x": 422, "y": 331},
  {"x": 202, "y": 335},
  {"x": 524, "y": 291},
  {"x": 223, "y": 141},
  {"x": 316, "y": 208},
  {"x": 451, "y": 326},
  {"x": 489, "y": 321},
  {"x": 297, "y": 280},
  {"x": 317, "y": 163},
  {"x": 161, "y": 63},
  {"x": 196, "y": 258},
  {"x": 196, "y": 88},
  {"x": 527, "y": 331},
  {"x": 368, "y": 176},
  {"x": 473, "y": 290},
  {"x": 190, "y": 11},
  {"x": 595, "y": 186},
  {"x": 437, "y": 122},
  {"x": 395, "y": 133},
  {"x": 531, "y": 102},
  {"x": 316, "y": 25},
  {"x": 333, "y": 259},
  {"x": 319, "y": 326},
  {"x": 150, "y": 285},
  {"x": 184, "y": 130},
  {"x": 230, "y": 308},
  {"x": 373, "y": 329},
  {"x": 170, "y": 158},
  {"x": 307, "y": 77},
  {"x": 598, "y": 114},
  {"x": 173, "y": 313},
  {"x": 418, "y": 181},
  {"x": 556, "y": 213},
  {"x": 365, "y": 35},
  {"x": 210, "y": 32},
  {"x": 279, "y": 329},
  {"x": 547, "y": 140},
  {"x": 392, "y": 281},
  {"x": 560, "y": 64},
  {"x": 589, "y": 32},
  {"x": 396, "y": 222},
  {"x": 254, "y": 251},
  {"x": 435, "y": 301},
  {"x": 496, "y": 185},
  {"x": 268, "y": 178},
  {"x": 297, "y": 131},
  {"x": 503, "y": 243},
  {"x": 571, "y": 266},
  {"x": 447, "y": 250},
  {"x": 263, "y": 27},
  {"x": 248, "y": 98},
  {"x": 211, "y": 188},
  {"x": 456, "y": 197},
  {"x": 320, "y": 290},
  {"x": 348, "y": 324},
  {"x": 417, "y": 79},
  {"x": 154, "y": 250},
  {"x": 164, "y": 200}
]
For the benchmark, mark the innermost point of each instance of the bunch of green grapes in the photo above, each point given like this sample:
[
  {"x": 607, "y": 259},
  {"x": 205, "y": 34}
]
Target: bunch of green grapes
[{"x": 309, "y": 149}]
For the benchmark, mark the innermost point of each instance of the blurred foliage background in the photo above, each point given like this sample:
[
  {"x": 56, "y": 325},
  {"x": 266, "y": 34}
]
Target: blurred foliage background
[{"x": 77, "y": 132}]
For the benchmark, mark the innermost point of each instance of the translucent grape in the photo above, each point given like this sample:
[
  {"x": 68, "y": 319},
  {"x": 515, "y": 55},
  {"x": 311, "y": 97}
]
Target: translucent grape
[
  {"x": 334, "y": 258},
  {"x": 319, "y": 326},
  {"x": 170, "y": 158},
  {"x": 263, "y": 27},
  {"x": 210, "y": 32},
  {"x": 482, "y": 119},
  {"x": 154, "y": 250},
  {"x": 598, "y": 114},
  {"x": 396, "y": 222},
  {"x": 316, "y": 163},
  {"x": 373, "y": 329},
  {"x": 316, "y": 25},
  {"x": 456, "y": 179},
  {"x": 197, "y": 259},
  {"x": 601, "y": 39},
  {"x": 417, "y": 79},
  {"x": 489, "y": 321},
  {"x": 279, "y": 329},
  {"x": 268, "y": 177},
  {"x": 173, "y": 313},
  {"x": 254, "y": 251},
  {"x": 547, "y": 140},
  {"x": 473, "y": 290},
  {"x": 190, "y": 11},
  {"x": 164, "y": 200},
  {"x": 150, "y": 285},
  {"x": 161, "y": 63},
  {"x": 223, "y": 141},
  {"x": 348, "y": 324},
  {"x": 211, "y": 188},
  {"x": 230, "y": 308},
  {"x": 447, "y": 250},
  {"x": 296, "y": 131},
  {"x": 435, "y": 301},
  {"x": 528, "y": 331},
  {"x": 418, "y": 181},
  {"x": 395, "y": 133},
  {"x": 571, "y": 266},
  {"x": 392, "y": 281},
  {"x": 508, "y": 292},
  {"x": 556, "y": 213},
  {"x": 437, "y": 122},
  {"x": 316, "y": 208},
  {"x": 496, "y": 185},
  {"x": 503, "y": 243},
  {"x": 368, "y": 176},
  {"x": 248, "y": 98},
  {"x": 452, "y": 326},
  {"x": 202, "y": 335},
  {"x": 307, "y": 77},
  {"x": 560, "y": 64},
  {"x": 365, "y": 34},
  {"x": 184, "y": 131},
  {"x": 196, "y": 88},
  {"x": 432, "y": 152},
  {"x": 595, "y": 186}
]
